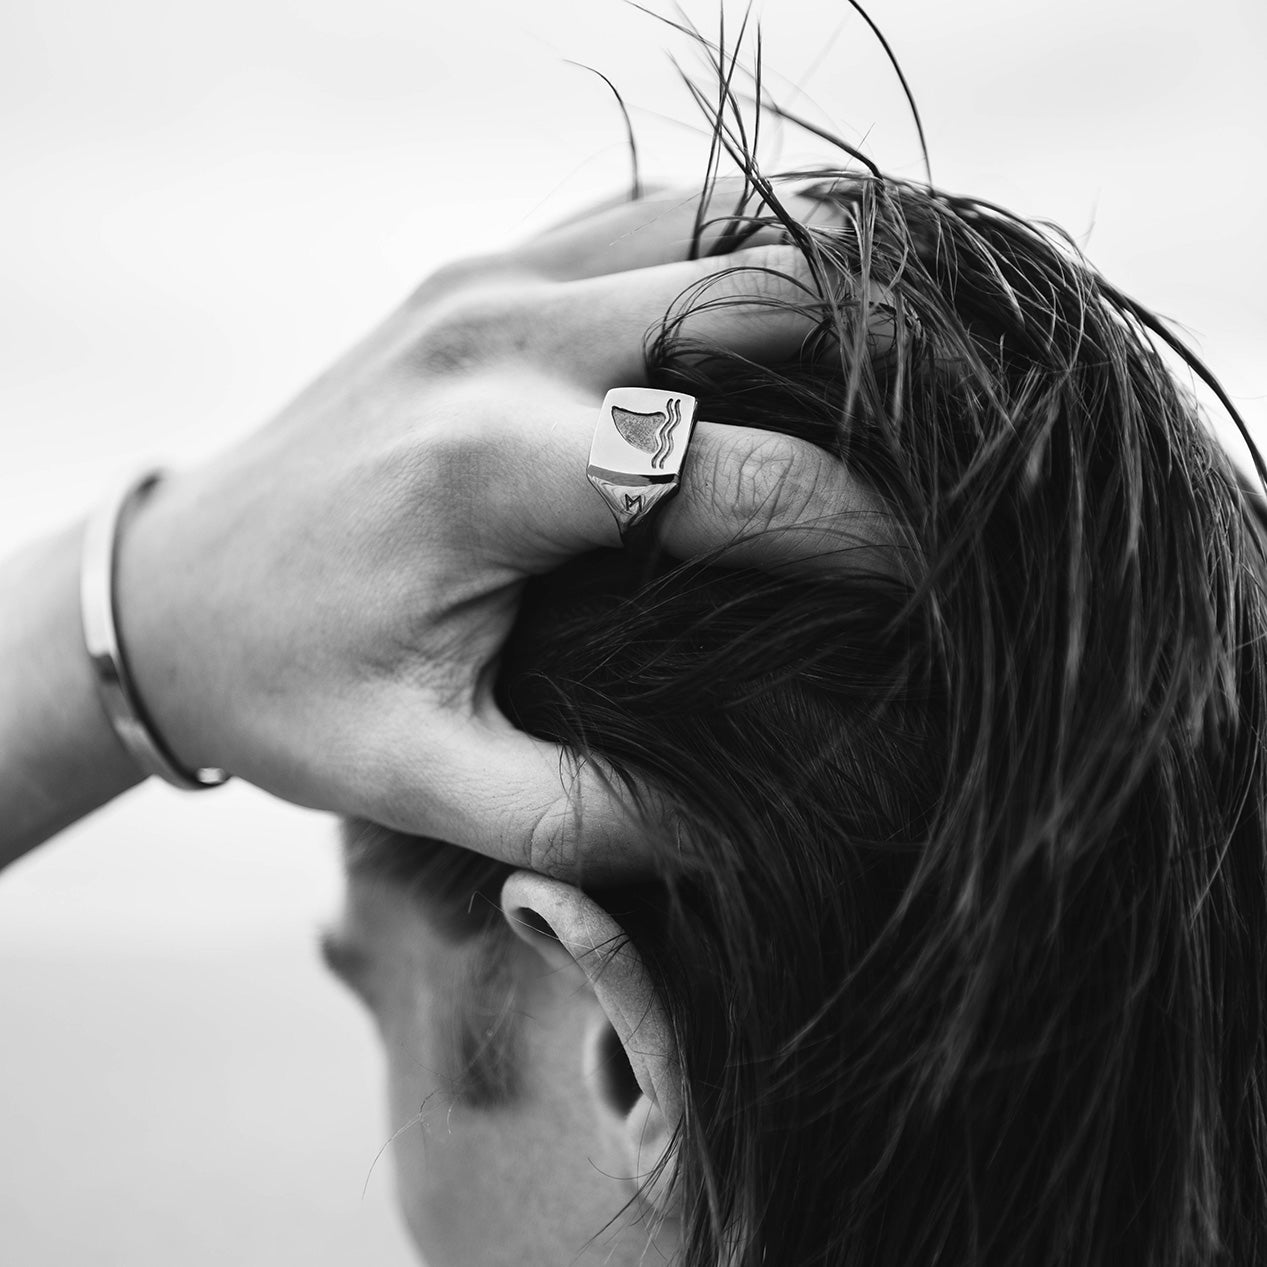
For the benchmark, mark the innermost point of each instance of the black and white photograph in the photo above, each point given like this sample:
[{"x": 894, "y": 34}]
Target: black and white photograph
[{"x": 633, "y": 634}]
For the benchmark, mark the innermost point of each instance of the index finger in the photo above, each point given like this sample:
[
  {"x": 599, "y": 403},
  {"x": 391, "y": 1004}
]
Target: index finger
[{"x": 662, "y": 228}]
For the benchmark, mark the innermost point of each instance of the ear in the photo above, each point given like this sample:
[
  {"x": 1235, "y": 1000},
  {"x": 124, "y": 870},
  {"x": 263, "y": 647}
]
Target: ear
[{"x": 574, "y": 935}]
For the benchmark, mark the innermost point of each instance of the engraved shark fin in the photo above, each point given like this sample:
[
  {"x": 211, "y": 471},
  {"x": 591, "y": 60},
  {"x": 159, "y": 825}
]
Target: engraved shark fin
[
  {"x": 639, "y": 430},
  {"x": 649, "y": 433}
]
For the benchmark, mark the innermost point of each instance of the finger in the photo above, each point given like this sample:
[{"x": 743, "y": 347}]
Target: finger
[
  {"x": 663, "y": 228},
  {"x": 655, "y": 230},
  {"x": 601, "y": 206},
  {"x": 747, "y": 498},
  {"x": 482, "y": 784},
  {"x": 759, "y": 499},
  {"x": 761, "y": 303}
]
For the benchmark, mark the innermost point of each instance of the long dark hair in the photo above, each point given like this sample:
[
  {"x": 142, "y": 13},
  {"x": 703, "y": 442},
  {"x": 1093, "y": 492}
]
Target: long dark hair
[{"x": 963, "y": 928}]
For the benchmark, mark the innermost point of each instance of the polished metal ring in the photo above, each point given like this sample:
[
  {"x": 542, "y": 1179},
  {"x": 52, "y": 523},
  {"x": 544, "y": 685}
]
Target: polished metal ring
[{"x": 639, "y": 446}]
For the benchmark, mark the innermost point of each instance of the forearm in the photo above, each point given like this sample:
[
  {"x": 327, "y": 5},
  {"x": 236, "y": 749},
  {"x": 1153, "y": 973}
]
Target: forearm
[{"x": 59, "y": 758}]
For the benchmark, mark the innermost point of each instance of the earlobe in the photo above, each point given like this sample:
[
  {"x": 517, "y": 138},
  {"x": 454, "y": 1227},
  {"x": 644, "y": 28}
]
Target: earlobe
[{"x": 631, "y": 1059}]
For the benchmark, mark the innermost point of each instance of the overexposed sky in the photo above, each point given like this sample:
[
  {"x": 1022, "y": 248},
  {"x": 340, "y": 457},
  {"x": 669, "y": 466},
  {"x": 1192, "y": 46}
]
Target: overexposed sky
[{"x": 201, "y": 204}]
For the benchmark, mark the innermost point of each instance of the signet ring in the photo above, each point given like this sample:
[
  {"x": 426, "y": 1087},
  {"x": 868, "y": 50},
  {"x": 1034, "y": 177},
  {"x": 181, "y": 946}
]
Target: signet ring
[{"x": 639, "y": 446}]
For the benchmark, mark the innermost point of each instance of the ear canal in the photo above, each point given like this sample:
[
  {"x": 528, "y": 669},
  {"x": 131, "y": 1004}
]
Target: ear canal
[{"x": 532, "y": 920}]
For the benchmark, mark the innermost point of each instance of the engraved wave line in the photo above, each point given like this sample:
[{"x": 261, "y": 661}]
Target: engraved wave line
[{"x": 664, "y": 433}]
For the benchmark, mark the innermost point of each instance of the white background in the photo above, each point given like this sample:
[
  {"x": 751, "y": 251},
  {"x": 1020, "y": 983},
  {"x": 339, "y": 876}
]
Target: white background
[{"x": 200, "y": 205}]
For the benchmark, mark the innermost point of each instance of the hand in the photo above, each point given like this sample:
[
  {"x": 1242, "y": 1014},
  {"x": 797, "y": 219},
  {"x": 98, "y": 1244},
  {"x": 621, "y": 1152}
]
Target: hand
[{"x": 320, "y": 610}]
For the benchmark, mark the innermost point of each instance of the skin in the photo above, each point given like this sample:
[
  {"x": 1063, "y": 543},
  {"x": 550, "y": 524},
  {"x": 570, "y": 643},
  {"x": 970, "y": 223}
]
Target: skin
[
  {"x": 320, "y": 609},
  {"x": 549, "y": 1178}
]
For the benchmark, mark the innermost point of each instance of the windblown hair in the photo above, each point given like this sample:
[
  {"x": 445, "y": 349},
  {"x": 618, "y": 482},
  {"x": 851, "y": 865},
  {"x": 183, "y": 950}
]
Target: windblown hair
[{"x": 963, "y": 930}]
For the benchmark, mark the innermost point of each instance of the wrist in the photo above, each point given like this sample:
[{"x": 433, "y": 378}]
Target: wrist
[
  {"x": 59, "y": 756},
  {"x": 142, "y": 637}
]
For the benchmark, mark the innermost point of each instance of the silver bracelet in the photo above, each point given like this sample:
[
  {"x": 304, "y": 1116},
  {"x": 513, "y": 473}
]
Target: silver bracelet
[{"x": 101, "y": 636}]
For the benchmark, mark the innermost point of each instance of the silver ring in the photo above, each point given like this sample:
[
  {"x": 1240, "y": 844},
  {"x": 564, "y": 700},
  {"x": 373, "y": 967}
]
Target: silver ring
[{"x": 639, "y": 446}]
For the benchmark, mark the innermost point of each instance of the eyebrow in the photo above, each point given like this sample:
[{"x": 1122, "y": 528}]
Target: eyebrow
[{"x": 347, "y": 961}]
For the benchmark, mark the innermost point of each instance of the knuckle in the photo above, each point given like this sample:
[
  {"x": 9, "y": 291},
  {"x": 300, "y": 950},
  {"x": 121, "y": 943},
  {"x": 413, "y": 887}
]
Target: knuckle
[
  {"x": 552, "y": 840},
  {"x": 766, "y": 271},
  {"x": 459, "y": 336},
  {"x": 570, "y": 820},
  {"x": 455, "y": 343},
  {"x": 466, "y": 436},
  {"x": 471, "y": 328},
  {"x": 774, "y": 482},
  {"x": 458, "y": 275}
]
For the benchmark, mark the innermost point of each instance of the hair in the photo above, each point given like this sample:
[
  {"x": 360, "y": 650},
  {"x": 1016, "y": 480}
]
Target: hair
[{"x": 963, "y": 926}]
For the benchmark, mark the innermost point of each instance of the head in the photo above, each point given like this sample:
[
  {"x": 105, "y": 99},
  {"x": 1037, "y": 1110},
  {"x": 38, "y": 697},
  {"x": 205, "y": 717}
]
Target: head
[{"x": 958, "y": 951}]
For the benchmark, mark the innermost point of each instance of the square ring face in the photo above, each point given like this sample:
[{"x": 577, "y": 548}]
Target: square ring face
[
  {"x": 642, "y": 431},
  {"x": 639, "y": 445}
]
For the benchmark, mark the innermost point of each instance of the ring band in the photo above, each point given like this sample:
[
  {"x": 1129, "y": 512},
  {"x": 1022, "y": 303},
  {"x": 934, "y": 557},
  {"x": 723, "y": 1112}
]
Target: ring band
[{"x": 639, "y": 446}]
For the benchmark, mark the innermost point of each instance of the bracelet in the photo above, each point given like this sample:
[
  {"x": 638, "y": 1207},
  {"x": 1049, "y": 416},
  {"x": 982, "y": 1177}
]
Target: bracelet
[{"x": 101, "y": 636}]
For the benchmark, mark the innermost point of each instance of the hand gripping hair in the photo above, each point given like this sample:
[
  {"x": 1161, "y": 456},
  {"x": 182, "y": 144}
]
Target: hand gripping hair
[
  {"x": 962, "y": 932},
  {"x": 964, "y": 928}
]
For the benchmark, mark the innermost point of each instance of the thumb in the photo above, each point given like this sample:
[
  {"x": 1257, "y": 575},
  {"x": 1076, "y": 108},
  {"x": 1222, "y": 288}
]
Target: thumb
[{"x": 484, "y": 785}]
